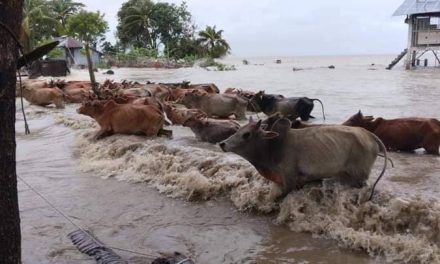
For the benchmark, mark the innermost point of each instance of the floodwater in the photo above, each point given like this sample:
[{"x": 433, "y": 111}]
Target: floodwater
[{"x": 158, "y": 195}]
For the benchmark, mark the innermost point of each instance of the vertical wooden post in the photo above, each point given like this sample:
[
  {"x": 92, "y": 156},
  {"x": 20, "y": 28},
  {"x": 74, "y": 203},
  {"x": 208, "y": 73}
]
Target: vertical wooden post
[
  {"x": 409, "y": 56},
  {"x": 10, "y": 235}
]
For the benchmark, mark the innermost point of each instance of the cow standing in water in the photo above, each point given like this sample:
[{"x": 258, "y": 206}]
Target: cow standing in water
[
  {"x": 295, "y": 157},
  {"x": 291, "y": 108},
  {"x": 404, "y": 134},
  {"x": 125, "y": 118}
]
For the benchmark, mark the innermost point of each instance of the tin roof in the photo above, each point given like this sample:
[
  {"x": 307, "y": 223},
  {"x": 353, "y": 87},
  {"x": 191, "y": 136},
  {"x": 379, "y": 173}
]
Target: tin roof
[
  {"x": 411, "y": 7},
  {"x": 71, "y": 43},
  {"x": 67, "y": 42}
]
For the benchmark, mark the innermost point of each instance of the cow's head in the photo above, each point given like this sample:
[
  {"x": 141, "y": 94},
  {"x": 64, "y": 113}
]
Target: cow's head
[
  {"x": 191, "y": 98},
  {"x": 358, "y": 120},
  {"x": 246, "y": 141},
  {"x": 256, "y": 101},
  {"x": 95, "y": 107},
  {"x": 193, "y": 122}
]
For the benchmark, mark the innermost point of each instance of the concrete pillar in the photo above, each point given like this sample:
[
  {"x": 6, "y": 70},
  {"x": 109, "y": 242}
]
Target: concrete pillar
[{"x": 409, "y": 59}]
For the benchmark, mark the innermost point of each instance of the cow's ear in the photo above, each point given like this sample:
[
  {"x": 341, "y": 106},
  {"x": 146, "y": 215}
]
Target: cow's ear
[
  {"x": 359, "y": 113},
  {"x": 270, "y": 135},
  {"x": 258, "y": 125}
]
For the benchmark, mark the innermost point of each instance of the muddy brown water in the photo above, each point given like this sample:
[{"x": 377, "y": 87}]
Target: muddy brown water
[{"x": 181, "y": 195}]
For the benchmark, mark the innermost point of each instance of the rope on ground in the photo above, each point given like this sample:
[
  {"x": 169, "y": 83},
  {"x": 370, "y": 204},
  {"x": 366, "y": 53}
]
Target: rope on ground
[
  {"x": 26, "y": 126},
  {"x": 61, "y": 213}
]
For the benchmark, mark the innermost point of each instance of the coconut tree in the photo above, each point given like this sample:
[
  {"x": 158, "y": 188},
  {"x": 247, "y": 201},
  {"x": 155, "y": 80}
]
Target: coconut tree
[
  {"x": 213, "y": 42},
  {"x": 62, "y": 9},
  {"x": 38, "y": 23},
  {"x": 138, "y": 19}
]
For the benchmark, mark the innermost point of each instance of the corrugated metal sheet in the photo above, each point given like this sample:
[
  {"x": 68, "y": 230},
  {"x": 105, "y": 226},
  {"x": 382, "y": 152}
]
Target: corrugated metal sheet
[
  {"x": 410, "y": 7},
  {"x": 66, "y": 42}
]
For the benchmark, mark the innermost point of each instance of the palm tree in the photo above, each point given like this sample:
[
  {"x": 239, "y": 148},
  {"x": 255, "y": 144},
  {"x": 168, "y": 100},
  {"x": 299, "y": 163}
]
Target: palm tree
[
  {"x": 213, "y": 41},
  {"x": 139, "y": 20},
  {"x": 62, "y": 9},
  {"x": 37, "y": 23}
]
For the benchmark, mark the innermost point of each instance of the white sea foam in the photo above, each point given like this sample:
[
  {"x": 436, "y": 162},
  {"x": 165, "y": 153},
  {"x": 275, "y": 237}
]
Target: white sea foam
[{"x": 402, "y": 230}]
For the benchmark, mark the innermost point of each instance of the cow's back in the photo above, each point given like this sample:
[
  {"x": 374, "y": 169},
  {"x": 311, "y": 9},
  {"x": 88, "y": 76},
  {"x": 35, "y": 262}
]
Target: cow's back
[
  {"x": 329, "y": 150},
  {"x": 406, "y": 133},
  {"x": 129, "y": 118}
]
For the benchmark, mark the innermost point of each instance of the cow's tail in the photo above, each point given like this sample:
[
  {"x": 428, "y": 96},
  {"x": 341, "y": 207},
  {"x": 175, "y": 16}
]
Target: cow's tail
[
  {"x": 322, "y": 106},
  {"x": 384, "y": 150}
]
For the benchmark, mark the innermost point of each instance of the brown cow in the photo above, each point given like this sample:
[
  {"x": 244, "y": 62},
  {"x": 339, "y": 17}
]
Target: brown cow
[
  {"x": 75, "y": 85},
  {"x": 178, "y": 116},
  {"x": 207, "y": 87},
  {"x": 44, "y": 96},
  {"x": 404, "y": 134},
  {"x": 212, "y": 130},
  {"x": 125, "y": 118},
  {"x": 178, "y": 92},
  {"x": 160, "y": 91},
  {"x": 76, "y": 95}
]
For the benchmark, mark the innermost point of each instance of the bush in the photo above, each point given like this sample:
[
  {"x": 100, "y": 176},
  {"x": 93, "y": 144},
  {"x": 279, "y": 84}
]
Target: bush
[{"x": 56, "y": 53}]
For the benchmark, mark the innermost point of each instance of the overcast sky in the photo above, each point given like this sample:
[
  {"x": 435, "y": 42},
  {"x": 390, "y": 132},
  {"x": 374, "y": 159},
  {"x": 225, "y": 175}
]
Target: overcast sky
[{"x": 284, "y": 27}]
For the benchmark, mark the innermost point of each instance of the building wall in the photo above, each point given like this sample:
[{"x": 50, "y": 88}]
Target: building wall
[
  {"x": 81, "y": 59},
  {"x": 428, "y": 37}
]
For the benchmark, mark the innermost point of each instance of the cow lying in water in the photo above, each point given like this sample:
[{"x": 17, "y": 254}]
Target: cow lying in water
[
  {"x": 295, "y": 157},
  {"x": 212, "y": 130},
  {"x": 404, "y": 134},
  {"x": 179, "y": 116},
  {"x": 216, "y": 105},
  {"x": 44, "y": 96},
  {"x": 291, "y": 108},
  {"x": 125, "y": 118}
]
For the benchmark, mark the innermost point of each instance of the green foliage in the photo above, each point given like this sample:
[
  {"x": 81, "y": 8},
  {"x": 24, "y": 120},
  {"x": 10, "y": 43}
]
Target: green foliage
[
  {"x": 147, "y": 24},
  {"x": 211, "y": 64},
  {"x": 45, "y": 19},
  {"x": 136, "y": 53},
  {"x": 108, "y": 49},
  {"x": 38, "y": 23},
  {"x": 63, "y": 9},
  {"x": 245, "y": 62},
  {"x": 103, "y": 65},
  {"x": 56, "y": 53},
  {"x": 87, "y": 26},
  {"x": 213, "y": 42}
]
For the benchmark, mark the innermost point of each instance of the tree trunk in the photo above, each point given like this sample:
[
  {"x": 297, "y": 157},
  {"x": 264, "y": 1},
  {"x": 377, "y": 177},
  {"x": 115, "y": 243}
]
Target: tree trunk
[
  {"x": 91, "y": 73},
  {"x": 10, "y": 236}
]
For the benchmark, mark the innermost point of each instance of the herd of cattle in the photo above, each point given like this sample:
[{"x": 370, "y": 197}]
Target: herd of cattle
[{"x": 283, "y": 149}]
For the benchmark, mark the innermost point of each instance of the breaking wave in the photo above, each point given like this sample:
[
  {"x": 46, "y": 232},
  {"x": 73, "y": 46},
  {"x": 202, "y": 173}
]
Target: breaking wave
[{"x": 403, "y": 230}]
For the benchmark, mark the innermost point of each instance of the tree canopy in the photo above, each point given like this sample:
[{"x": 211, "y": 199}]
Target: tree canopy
[
  {"x": 146, "y": 24},
  {"x": 155, "y": 27},
  {"x": 38, "y": 23},
  {"x": 213, "y": 42},
  {"x": 87, "y": 26}
]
